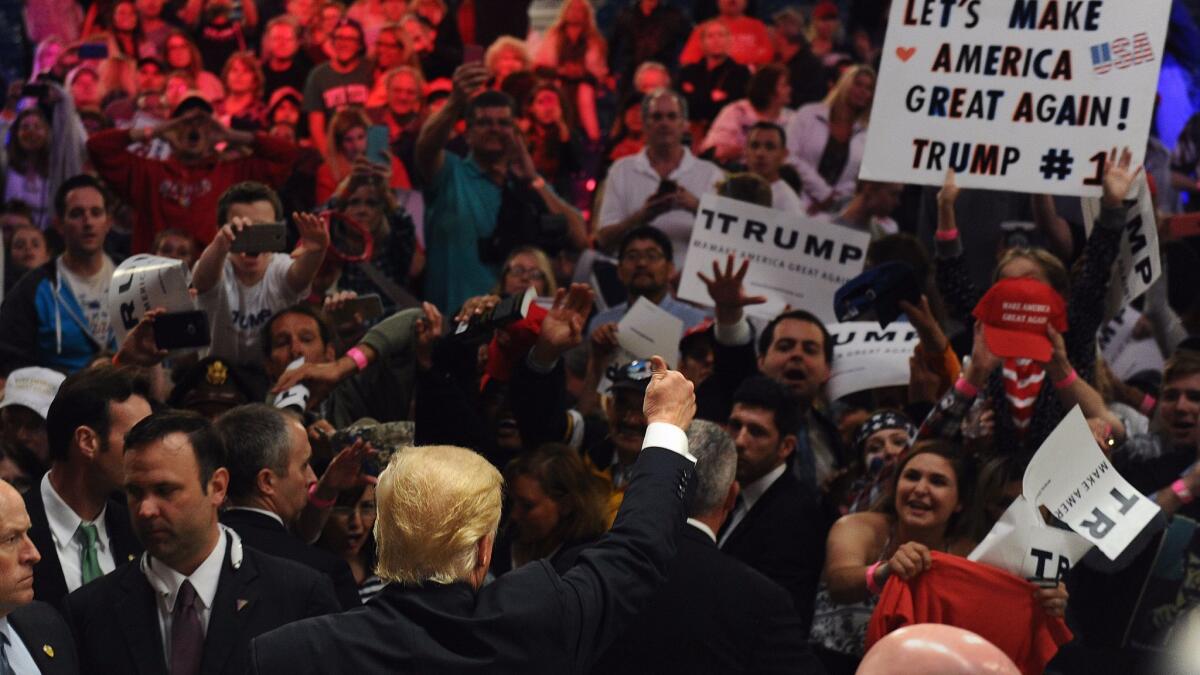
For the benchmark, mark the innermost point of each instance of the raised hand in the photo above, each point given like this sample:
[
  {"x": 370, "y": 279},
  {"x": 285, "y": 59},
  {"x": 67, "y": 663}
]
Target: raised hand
[
  {"x": 922, "y": 320},
  {"x": 1118, "y": 178},
  {"x": 728, "y": 291},
  {"x": 314, "y": 236},
  {"x": 948, "y": 195},
  {"x": 562, "y": 328},
  {"x": 468, "y": 79},
  {"x": 139, "y": 348},
  {"x": 476, "y": 306},
  {"x": 1059, "y": 365},
  {"x": 229, "y": 233},
  {"x": 345, "y": 470},
  {"x": 983, "y": 361},
  {"x": 670, "y": 397}
]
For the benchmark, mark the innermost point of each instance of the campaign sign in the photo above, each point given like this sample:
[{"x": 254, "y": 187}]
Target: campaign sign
[
  {"x": 866, "y": 356},
  {"x": 1076, "y": 482},
  {"x": 794, "y": 260},
  {"x": 1125, "y": 354},
  {"x": 1137, "y": 265},
  {"x": 1023, "y": 95},
  {"x": 1021, "y": 543},
  {"x": 143, "y": 282}
]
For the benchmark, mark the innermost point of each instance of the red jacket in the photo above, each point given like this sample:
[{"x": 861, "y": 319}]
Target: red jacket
[
  {"x": 984, "y": 600},
  {"x": 168, "y": 194}
]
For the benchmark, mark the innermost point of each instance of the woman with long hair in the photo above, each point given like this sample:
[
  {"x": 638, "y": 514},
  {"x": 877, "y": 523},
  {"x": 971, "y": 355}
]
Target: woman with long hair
[
  {"x": 27, "y": 152},
  {"x": 826, "y": 139},
  {"x": 243, "y": 106},
  {"x": 125, "y": 26},
  {"x": 348, "y": 533},
  {"x": 346, "y": 149},
  {"x": 182, "y": 54},
  {"x": 575, "y": 53},
  {"x": 555, "y": 149},
  {"x": 393, "y": 253}
]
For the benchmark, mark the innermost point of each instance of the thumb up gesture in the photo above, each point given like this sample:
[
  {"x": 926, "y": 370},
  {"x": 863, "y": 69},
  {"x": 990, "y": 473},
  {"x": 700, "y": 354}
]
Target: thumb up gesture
[{"x": 670, "y": 397}]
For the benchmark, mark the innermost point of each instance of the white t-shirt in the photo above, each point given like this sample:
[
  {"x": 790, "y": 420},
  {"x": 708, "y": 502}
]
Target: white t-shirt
[
  {"x": 784, "y": 198},
  {"x": 237, "y": 313},
  {"x": 92, "y": 295}
]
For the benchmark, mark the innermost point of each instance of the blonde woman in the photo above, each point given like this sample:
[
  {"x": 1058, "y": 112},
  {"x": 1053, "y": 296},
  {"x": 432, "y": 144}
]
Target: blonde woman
[
  {"x": 346, "y": 150},
  {"x": 826, "y": 139}
]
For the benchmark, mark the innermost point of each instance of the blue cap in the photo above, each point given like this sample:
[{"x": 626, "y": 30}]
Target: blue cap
[{"x": 877, "y": 292}]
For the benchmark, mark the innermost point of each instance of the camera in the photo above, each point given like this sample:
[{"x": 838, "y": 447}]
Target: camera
[{"x": 507, "y": 311}]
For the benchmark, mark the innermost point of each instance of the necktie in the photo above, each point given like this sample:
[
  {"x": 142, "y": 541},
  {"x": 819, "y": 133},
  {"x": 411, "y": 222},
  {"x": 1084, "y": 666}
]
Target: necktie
[
  {"x": 187, "y": 637},
  {"x": 5, "y": 667},
  {"x": 89, "y": 563}
]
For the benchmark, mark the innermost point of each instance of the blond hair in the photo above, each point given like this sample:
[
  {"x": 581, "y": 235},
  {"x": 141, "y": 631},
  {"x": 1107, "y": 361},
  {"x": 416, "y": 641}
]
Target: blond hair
[
  {"x": 842, "y": 87},
  {"x": 435, "y": 504}
]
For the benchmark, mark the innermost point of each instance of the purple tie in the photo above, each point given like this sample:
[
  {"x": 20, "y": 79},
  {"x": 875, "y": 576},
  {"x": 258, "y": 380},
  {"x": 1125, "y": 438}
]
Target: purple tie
[{"x": 187, "y": 637}]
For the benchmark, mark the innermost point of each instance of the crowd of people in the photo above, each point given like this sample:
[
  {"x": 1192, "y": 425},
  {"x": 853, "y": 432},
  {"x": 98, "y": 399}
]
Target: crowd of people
[{"x": 465, "y": 208}]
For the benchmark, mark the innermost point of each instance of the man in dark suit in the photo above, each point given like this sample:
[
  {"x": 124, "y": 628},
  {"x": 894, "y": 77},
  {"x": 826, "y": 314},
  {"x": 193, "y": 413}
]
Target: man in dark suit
[
  {"x": 194, "y": 600},
  {"x": 714, "y": 614},
  {"x": 80, "y": 531},
  {"x": 269, "y": 475},
  {"x": 33, "y": 637},
  {"x": 776, "y": 526},
  {"x": 439, "y": 507}
]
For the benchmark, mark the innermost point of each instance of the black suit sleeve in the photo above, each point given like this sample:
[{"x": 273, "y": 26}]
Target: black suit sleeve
[
  {"x": 782, "y": 640},
  {"x": 614, "y": 579},
  {"x": 321, "y": 598},
  {"x": 539, "y": 404},
  {"x": 731, "y": 365}
]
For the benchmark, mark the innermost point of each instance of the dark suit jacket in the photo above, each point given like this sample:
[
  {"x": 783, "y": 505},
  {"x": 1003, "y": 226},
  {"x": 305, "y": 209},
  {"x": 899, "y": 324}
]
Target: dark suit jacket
[
  {"x": 49, "y": 585},
  {"x": 269, "y": 536},
  {"x": 714, "y": 615},
  {"x": 115, "y": 618},
  {"x": 783, "y": 537},
  {"x": 531, "y": 620},
  {"x": 47, "y": 637}
]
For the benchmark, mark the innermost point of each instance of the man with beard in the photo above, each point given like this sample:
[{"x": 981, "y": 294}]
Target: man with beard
[{"x": 182, "y": 192}]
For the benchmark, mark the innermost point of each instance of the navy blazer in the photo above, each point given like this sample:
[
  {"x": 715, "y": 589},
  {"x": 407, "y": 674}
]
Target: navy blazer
[
  {"x": 47, "y": 637},
  {"x": 531, "y": 620}
]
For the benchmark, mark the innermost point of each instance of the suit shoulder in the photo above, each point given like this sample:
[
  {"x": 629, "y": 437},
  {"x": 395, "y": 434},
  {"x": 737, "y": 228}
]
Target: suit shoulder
[
  {"x": 282, "y": 571},
  {"x": 38, "y": 613},
  {"x": 96, "y": 593}
]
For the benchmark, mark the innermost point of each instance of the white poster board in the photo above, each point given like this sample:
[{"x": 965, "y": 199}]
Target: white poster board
[
  {"x": 1125, "y": 354},
  {"x": 794, "y": 259},
  {"x": 1076, "y": 482},
  {"x": 1138, "y": 264},
  {"x": 1021, "y": 543},
  {"x": 866, "y": 356},
  {"x": 141, "y": 283},
  {"x": 1022, "y": 95},
  {"x": 647, "y": 330}
]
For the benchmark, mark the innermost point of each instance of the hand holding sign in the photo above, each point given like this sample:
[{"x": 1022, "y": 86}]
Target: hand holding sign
[{"x": 727, "y": 291}]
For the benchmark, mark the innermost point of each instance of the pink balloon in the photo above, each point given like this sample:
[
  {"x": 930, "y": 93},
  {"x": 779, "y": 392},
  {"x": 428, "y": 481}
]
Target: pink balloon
[{"x": 935, "y": 648}]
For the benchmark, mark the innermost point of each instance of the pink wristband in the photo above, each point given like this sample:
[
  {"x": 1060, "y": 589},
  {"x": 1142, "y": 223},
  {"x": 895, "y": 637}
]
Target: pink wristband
[
  {"x": 317, "y": 502},
  {"x": 1147, "y": 406},
  {"x": 872, "y": 583},
  {"x": 966, "y": 388},
  {"x": 946, "y": 235},
  {"x": 358, "y": 357},
  {"x": 1181, "y": 490},
  {"x": 1067, "y": 381}
]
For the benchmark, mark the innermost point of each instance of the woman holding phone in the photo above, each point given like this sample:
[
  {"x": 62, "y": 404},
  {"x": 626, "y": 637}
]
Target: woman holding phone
[{"x": 349, "y": 151}]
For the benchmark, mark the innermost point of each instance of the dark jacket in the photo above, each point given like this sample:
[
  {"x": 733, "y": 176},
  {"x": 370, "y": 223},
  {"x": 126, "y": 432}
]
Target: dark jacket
[
  {"x": 531, "y": 620},
  {"x": 271, "y": 537},
  {"x": 49, "y": 584},
  {"x": 47, "y": 637},
  {"x": 713, "y": 615},
  {"x": 115, "y": 618}
]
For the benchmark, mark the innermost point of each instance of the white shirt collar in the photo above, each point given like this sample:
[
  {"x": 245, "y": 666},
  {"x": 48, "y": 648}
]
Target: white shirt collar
[
  {"x": 754, "y": 491},
  {"x": 703, "y": 528},
  {"x": 642, "y": 162},
  {"x": 205, "y": 579},
  {"x": 64, "y": 522},
  {"x": 264, "y": 512}
]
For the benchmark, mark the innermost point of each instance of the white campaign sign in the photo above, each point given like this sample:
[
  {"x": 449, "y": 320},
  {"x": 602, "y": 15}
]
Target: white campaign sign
[
  {"x": 794, "y": 260},
  {"x": 866, "y": 356},
  {"x": 1124, "y": 354},
  {"x": 1137, "y": 264},
  {"x": 647, "y": 330},
  {"x": 1076, "y": 482},
  {"x": 1021, "y": 543},
  {"x": 1022, "y": 95},
  {"x": 143, "y": 282}
]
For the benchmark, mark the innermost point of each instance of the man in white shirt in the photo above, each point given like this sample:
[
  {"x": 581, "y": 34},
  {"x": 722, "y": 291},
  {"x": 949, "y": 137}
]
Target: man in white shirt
[
  {"x": 194, "y": 600},
  {"x": 33, "y": 637},
  {"x": 80, "y": 530},
  {"x": 766, "y": 153},
  {"x": 240, "y": 292},
  {"x": 659, "y": 186}
]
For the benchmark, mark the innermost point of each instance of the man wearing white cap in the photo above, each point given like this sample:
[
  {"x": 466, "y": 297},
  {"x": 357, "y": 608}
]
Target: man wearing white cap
[{"x": 27, "y": 396}]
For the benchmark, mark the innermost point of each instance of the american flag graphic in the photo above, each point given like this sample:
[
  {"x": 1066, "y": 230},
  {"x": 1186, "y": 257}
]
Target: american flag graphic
[{"x": 1102, "y": 60}]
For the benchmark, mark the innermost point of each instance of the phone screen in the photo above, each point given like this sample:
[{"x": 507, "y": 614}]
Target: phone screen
[{"x": 377, "y": 144}]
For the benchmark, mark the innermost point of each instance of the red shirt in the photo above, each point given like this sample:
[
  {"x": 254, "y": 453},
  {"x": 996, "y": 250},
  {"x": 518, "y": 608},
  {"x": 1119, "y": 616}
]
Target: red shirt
[
  {"x": 987, "y": 601},
  {"x": 169, "y": 194}
]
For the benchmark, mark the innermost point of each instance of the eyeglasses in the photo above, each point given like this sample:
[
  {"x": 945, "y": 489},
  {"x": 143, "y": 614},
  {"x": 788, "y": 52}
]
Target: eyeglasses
[
  {"x": 651, "y": 256},
  {"x": 526, "y": 272}
]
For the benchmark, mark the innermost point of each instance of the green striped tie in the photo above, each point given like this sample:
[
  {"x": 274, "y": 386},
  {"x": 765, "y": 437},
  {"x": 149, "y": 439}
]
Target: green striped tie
[{"x": 89, "y": 563}]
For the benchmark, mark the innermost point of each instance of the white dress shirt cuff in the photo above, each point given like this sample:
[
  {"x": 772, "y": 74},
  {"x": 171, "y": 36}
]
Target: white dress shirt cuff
[
  {"x": 733, "y": 335},
  {"x": 669, "y": 436}
]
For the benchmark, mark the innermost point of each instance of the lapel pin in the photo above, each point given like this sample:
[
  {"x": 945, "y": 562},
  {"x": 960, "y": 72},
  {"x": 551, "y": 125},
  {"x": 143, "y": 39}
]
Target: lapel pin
[
  {"x": 241, "y": 603},
  {"x": 49, "y": 650}
]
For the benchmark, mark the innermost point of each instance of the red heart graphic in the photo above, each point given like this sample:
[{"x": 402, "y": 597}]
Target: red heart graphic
[{"x": 905, "y": 53}]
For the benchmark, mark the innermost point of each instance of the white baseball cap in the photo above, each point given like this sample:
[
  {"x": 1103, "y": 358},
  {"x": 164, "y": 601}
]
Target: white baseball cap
[{"x": 33, "y": 388}]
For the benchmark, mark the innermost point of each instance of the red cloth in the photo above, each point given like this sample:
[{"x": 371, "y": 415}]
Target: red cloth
[
  {"x": 168, "y": 194},
  {"x": 992, "y": 603},
  {"x": 519, "y": 337}
]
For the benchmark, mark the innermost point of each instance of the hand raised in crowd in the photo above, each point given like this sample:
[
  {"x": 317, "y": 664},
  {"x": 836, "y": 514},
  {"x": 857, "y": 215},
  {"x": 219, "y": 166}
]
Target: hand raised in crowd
[
  {"x": 923, "y": 384},
  {"x": 476, "y": 306},
  {"x": 728, "y": 292},
  {"x": 909, "y": 560},
  {"x": 670, "y": 397},
  {"x": 139, "y": 347},
  {"x": 314, "y": 235},
  {"x": 365, "y": 167},
  {"x": 353, "y": 326},
  {"x": 345, "y": 471},
  {"x": 562, "y": 328},
  {"x": 428, "y": 332},
  {"x": 933, "y": 339},
  {"x": 948, "y": 195},
  {"x": 1053, "y": 600},
  {"x": 230, "y": 232},
  {"x": 520, "y": 162},
  {"x": 1059, "y": 366},
  {"x": 468, "y": 79},
  {"x": 983, "y": 361},
  {"x": 320, "y": 378},
  {"x": 1118, "y": 178}
]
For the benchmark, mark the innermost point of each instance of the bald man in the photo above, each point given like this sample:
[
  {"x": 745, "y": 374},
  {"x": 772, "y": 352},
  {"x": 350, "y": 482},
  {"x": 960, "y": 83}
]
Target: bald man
[{"x": 33, "y": 637}]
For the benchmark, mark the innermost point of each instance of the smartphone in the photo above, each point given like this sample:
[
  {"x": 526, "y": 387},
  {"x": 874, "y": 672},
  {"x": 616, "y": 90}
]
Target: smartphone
[
  {"x": 93, "y": 50},
  {"x": 181, "y": 330},
  {"x": 473, "y": 54},
  {"x": 377, "y": 144},
  {"x": 261, "y": 238},
  {"x": 665, "y": 187},
  {"x": 368, "y": 306}
]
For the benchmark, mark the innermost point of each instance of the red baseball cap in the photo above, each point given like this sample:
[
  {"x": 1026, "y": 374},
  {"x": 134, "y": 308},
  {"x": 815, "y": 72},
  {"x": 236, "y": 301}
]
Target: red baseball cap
[{"x": 1015, "y": 313}]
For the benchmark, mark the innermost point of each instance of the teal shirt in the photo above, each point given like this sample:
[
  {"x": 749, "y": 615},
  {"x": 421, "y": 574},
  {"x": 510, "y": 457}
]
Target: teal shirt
[{"x": 462, "y": 204}]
